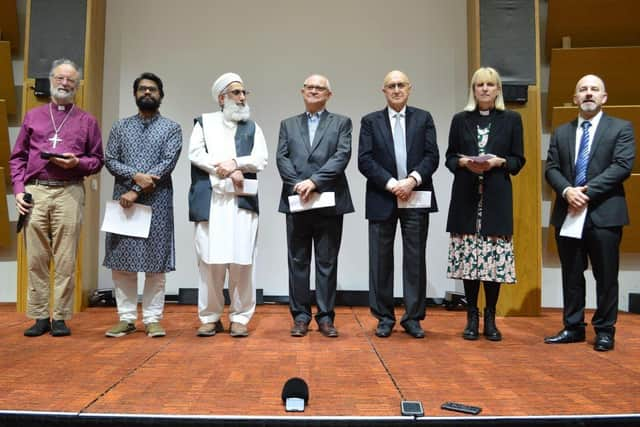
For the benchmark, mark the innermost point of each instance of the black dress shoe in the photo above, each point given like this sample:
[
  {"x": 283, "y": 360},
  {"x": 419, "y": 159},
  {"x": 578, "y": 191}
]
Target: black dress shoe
[
  {"x": 328, "y": 330},
  {"x": 59, "y": 329},
  {"x": 299, "y": 329},
  {"x": 604, "y": 342},
  {"x": 414, "y": 329},
  {"x": 566, "y": 336},
  {"x": 383, "y": 330},
  {"x": 41, "y": 327}
]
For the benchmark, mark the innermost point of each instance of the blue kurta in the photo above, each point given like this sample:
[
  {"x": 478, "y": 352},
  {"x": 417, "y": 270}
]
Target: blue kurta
[{"x": 149, "y": 146}]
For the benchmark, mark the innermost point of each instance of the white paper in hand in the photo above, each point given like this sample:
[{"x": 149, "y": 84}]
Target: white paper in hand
[
  {"x": 316, "y": 201},
  {"x": 249, "y": 187},
  {"x": 134, "y": 221},
  {"x": 418, "y": 199},
  {"x": 574, "y": 224}
]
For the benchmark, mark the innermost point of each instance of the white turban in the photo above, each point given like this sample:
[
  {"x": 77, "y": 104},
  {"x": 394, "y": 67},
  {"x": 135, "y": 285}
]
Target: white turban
[{"x": 222, "y": 82}]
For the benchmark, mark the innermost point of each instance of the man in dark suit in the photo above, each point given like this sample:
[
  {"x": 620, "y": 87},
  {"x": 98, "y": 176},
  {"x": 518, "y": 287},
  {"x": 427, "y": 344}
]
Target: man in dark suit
[
  {"x": 397, "y": 154},
  {"x": 588, "y": 160},
  {"x": 314, "y": 149}
]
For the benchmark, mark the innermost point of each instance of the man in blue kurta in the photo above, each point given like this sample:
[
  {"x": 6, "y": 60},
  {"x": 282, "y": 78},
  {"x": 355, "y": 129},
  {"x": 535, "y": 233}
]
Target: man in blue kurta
[{"x": 141, "y": 154}]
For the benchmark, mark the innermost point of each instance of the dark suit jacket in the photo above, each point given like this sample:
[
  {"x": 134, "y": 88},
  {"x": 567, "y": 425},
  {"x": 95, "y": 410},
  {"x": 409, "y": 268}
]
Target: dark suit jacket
[
  {"x": 610, "y": 163},
  {"x": 505, "y": 140},
  {"x": 323, "y": 162},
  {"x": 376, "y": 158}
]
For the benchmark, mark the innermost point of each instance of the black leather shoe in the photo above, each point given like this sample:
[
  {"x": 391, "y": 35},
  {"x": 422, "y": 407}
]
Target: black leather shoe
[
  {"x": 471, "y": 330},
  {"x": 491, "y": 331},
  {"x": 41, "y": 327},
  {"x": 414, "y": 329},
  {"x": 299, "y": 329},
  {"x": 328, "y": 329},
  {"x": 59, "y": 329},
  {"x": 566, "y": 336},
  {"x": 384, "y": 330},
  {"x": 604, "y": 342}
]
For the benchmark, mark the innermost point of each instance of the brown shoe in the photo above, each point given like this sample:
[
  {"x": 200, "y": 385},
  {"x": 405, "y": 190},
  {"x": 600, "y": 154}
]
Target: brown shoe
[
  {"x": 328, "y": 330},
  {"x": 238, "y": 330},
  {"x": 299, "y": 329}
]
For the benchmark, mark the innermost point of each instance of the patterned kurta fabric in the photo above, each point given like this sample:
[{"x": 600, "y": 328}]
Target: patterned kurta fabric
[
  {"x": 153, "y": 147},
  {"x": 477, "y": 257}
]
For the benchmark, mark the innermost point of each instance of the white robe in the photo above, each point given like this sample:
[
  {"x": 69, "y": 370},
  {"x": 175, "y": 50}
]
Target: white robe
[{"x": 231, "y": 233}]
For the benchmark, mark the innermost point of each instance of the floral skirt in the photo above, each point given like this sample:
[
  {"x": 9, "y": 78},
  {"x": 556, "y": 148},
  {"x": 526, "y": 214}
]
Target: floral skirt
[{"x": 485, "y": 258}]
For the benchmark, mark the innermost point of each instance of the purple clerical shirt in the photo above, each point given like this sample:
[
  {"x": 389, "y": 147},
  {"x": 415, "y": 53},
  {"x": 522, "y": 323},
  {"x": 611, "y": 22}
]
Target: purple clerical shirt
[{"x": 79, "y": 135}]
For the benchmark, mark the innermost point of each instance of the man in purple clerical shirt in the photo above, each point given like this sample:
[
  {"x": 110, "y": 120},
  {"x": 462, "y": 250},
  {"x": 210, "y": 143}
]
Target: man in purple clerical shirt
[{"x": 58, "y": 145}]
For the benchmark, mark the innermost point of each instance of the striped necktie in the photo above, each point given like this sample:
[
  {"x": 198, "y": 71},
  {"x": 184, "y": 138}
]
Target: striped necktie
[{"x": 583, "y": 156}]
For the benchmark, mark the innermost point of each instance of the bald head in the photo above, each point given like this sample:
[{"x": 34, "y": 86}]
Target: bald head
[
  {"x": 396, "y": 88},
  {"x": 590, "y": 95}
]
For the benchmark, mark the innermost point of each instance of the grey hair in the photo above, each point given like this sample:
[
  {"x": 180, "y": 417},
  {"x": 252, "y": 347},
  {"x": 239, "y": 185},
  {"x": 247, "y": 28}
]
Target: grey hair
[
  {"x": 319, "y": 75},
  {"x": 64, "y": 61}
]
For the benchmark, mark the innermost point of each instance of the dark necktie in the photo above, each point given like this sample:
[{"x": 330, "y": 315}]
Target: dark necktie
[{"x": 583, "y": 156}]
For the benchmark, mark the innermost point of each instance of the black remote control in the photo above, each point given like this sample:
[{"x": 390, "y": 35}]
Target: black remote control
[{"x": 461, "y": 407}]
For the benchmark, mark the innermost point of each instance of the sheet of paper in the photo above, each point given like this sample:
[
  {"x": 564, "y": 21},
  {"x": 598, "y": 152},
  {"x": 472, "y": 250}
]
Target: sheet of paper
[
  {"x": 249, "y": 187},
  {"x": 134, "y": 221},
  {"x": 316, "y": 201},
  {"x": 418, "y": 199},
  {"x": 481, "y": 159},
  {"x": 574, "y": 224}
]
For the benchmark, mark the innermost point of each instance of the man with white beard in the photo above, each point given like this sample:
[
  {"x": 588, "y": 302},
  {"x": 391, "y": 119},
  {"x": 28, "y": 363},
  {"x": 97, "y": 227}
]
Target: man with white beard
[
  {"x": 58, "y": 145},
  {"x": 230, "y": 149}
]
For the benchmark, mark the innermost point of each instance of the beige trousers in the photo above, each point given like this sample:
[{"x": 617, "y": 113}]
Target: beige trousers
[{"x": 52, "y": 231}]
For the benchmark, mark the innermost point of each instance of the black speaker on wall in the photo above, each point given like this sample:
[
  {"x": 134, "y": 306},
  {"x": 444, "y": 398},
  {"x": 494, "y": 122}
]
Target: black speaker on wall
[
  {"x": 634, "y": 303},
  {"x": 515, "y": 93}
]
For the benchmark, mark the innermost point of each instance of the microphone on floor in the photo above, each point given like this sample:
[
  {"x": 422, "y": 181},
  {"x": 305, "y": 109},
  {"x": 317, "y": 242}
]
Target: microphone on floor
[{"x": 295, "y": 394}]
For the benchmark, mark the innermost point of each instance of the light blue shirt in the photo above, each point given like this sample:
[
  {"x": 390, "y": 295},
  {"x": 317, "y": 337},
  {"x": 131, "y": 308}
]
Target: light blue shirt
[{"x": 312, "y": 121}]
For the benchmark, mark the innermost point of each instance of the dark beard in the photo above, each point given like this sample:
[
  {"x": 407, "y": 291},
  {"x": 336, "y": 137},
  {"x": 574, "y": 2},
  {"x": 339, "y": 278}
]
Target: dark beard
[{"x": 147, "y": 104}]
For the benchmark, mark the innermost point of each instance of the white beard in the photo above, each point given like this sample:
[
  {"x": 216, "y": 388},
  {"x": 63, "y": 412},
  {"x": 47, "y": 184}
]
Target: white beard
[
  {"x": 62, "y": 96},
  {"x": 234, "y": 112}
]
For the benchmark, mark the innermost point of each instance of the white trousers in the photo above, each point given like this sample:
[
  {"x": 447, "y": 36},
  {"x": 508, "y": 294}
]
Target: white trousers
[
  {"x": 242, "y": 292},
  {"x": 126, "y": 284}
]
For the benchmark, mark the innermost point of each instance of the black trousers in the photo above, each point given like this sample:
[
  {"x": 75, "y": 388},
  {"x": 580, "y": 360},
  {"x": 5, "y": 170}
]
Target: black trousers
[
  {"x": 414, "y": 226},
  {"x": 601, "y": 247},
  {"x": 305, "y": 229}
]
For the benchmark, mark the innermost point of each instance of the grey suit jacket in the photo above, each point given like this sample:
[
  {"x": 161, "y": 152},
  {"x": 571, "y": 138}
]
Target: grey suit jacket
[
  {"x": 610, "y": 163},
  {"x": 323, "y": 162}
]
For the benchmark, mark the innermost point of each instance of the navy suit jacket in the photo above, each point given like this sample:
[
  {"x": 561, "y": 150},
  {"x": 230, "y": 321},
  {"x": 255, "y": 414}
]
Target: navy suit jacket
[
  {"x": 376, "y": 158},
  {"x": 610, "y": 163},
  {"x": 323, "y": 162}
]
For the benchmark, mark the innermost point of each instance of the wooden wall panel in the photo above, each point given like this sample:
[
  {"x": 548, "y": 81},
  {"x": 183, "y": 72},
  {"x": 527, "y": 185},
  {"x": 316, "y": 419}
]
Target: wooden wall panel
[
  {"x": 7, "y": 89},
  {"x": 615, "y": 23},
  {"x": 5, "y": 145},
  {"x": 617, "y": 66},
  {"x": 9, "y": 24}
]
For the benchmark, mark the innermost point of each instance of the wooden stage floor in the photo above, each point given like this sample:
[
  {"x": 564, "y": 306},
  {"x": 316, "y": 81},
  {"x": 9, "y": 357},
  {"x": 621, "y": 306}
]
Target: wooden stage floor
[{"x": 356, "y": 374}]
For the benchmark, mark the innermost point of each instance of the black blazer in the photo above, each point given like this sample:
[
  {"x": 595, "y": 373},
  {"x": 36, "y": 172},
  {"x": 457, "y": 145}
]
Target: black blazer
[
  {"x": 323, "y": 162},
  {"x": 610, "y": 163},
  {"x": 505, "y": 140},
  {"x": 376, "y": 158}
]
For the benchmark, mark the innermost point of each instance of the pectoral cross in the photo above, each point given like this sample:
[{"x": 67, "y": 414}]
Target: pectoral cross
[{"x": 54, "y": 140}]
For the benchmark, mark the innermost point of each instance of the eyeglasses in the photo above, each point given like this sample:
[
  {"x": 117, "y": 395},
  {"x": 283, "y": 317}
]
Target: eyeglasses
[
  {"x": 401, "y": 86},
  {"x": 60, "y": 79},
  {"x": 143, "y": 89},
  {"x": 237, "y": 92},
  {"x": 314, "y": 87}
]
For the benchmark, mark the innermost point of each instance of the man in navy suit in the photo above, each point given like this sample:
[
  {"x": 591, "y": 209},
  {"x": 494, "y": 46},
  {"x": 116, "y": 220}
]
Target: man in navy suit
[
  {"x": 606, "y": 147},
  {"x": 314, "y": 149},
  {"x": 398, "y": 155}
]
